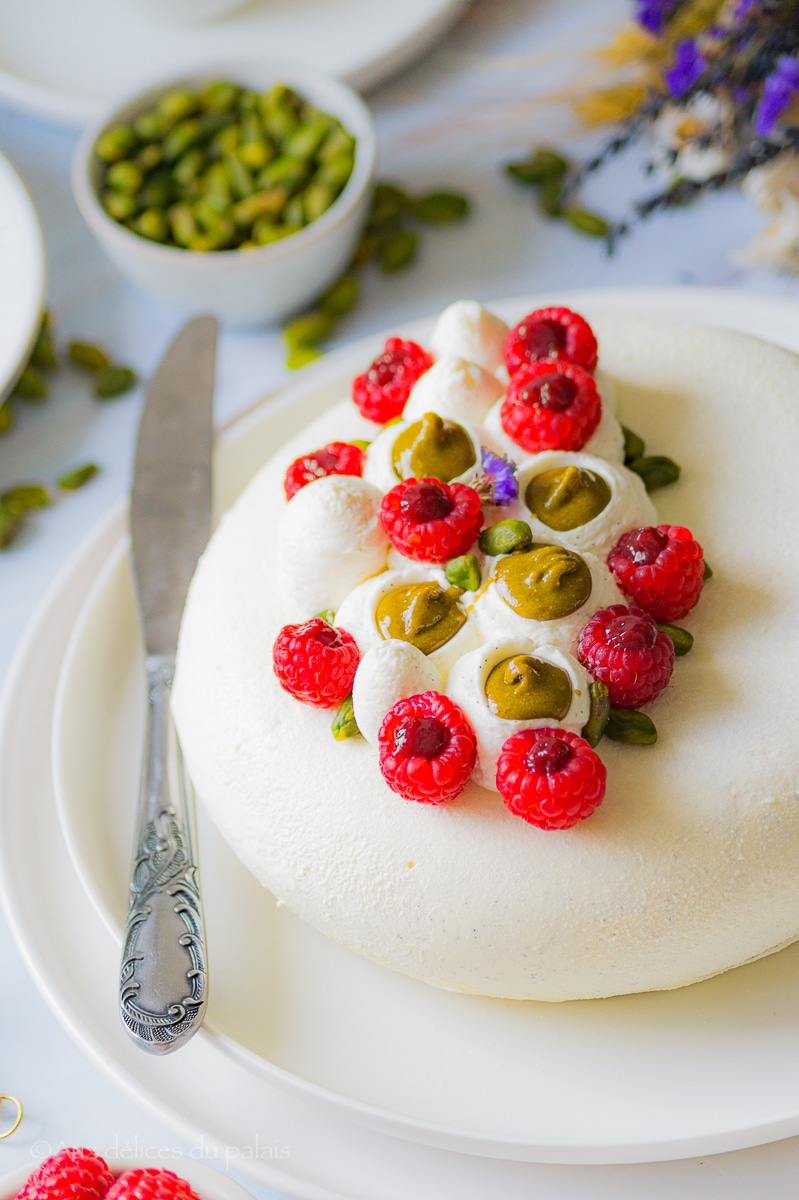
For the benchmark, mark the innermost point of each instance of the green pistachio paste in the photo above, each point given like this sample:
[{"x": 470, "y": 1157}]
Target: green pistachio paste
[
  {"x": 544, "y": 583},
  {"x": 567, "y": 497},
  {"x": 432, "y": 448},
  {"x": 421, "y": 613},
  {"x": 522, "y": 688}
]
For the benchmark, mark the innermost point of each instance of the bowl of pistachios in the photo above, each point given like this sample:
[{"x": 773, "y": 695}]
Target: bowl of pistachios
[{"x": 240, "y": 190}]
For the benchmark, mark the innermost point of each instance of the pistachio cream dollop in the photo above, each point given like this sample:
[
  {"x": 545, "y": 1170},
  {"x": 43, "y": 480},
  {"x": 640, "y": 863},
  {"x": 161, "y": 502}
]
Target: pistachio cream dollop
[
  {"x": 544, "y": 583},
  {"x": 424, "y": 614},
  {"x": 524, "y": 688},
  {"x": 432, "y": 447},
  {"x": 567, "y": 497}
]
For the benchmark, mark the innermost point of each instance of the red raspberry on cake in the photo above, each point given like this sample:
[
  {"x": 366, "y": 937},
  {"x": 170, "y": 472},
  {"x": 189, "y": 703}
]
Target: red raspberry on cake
[
  {"x": 381, "y": 392},
  {"x": 316, "y": 662},
  {"x": 551, "y": 406},
  {"x": 660, "y": 568},
  {"x": 551, "y": 778},
  {"x": 551, "y": 333},
  {"x": 72, "y": 1174},
  {"x": 427, "y": 748},
  {"x": 336, "y": 458},
  {"x": 431, "y": 521},
  {"x": 623, "y": 648},
  {"x": 151, "y": 1183}
]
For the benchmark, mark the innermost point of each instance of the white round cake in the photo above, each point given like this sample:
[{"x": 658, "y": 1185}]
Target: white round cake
[{"x": 689, "y": 865}]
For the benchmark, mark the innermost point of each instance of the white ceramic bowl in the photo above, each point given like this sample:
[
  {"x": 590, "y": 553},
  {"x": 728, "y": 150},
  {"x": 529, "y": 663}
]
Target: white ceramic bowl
[
  {"x": 207, "y": 1182},
  {"x": 240, "y": 287}
]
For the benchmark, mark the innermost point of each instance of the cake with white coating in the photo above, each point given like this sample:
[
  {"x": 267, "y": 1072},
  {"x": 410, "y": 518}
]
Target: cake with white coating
[{"x": 471, "y": 594}]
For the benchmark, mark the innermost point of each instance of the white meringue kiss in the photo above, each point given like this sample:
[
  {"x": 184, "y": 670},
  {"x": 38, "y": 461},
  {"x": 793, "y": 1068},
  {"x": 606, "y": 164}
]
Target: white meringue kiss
[{"x": 389, "y": 672}]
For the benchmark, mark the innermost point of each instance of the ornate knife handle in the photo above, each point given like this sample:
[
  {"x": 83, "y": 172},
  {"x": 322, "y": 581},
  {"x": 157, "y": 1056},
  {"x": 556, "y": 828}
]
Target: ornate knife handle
[{"x": 163, "y": 981}]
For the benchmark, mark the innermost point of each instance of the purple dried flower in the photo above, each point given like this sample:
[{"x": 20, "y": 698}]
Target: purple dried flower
[
  {"x": 688, "y": 66},
  {"x": 653, "y": 14},
  {"x": 742, "y": 11},
  {"x": 500, "y": 478},
  {"x": 778, "y": 90}
]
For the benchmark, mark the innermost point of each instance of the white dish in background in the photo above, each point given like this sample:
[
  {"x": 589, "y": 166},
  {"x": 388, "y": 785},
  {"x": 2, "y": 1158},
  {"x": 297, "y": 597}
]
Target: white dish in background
[
  {"x": 98, "y": 50},
  {"x": 209, "y": 1184},
  {"x": 22, "y": 275},
  {"x": 240, "y": 287},
  {"x": 633, "y": 1079}
]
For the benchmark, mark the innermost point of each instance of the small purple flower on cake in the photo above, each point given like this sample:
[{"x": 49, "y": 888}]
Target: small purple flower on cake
[
  {"x": 688, "y": 66},
  {"x": 778, "y": 91},
  {"x": 498, "y": 484}
]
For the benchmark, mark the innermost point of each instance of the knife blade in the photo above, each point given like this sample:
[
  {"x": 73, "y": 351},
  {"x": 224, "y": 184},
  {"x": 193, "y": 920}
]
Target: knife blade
[{"x": 163, "y": 976}]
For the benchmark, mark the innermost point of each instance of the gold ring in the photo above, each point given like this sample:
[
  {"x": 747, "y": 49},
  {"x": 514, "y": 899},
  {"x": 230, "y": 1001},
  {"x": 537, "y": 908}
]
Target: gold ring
[{"x": 18, "y": 1120}]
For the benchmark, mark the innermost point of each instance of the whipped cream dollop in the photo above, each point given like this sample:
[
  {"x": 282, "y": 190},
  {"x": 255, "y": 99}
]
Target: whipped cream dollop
[
  {"x": 467, "y": 687},
  {"x": 388, "y": 672},
  {"x": 329, "y": 540},
  {"x": 454, "y": 388},
  {"x": 467, "y": 330},
  {"x": 629, "y": 506}
]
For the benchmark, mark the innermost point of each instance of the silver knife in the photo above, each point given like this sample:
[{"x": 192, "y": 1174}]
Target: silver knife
[{"x": 163, "y": 978}]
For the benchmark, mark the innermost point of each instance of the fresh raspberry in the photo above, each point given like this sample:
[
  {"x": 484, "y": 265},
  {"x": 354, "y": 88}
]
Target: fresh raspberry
[
  {"x": 316, "y": 662},
  {"x": 623, "y": 648},
  {"x": 151, "y": 1183},
  {"x": 380, "y": 393},
  {"x": 661, "y": 569},
  {"x": 427, "y": 748},
  {"x": 551, "y": 406},
  {"x": 431, "y": 521},
  {"x": 551, "y": 333},
  {"x": 336, "y": 458},
  {"x": 72, "y": 1174},
  {"x": 551, "y": 778}
]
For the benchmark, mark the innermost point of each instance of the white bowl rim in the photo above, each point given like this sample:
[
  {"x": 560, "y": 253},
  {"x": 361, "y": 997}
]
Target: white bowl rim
[{"x": 295, "y": 74}]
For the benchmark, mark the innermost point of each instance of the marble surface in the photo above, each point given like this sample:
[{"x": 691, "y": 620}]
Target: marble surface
[{"x": 479, "y": 98}]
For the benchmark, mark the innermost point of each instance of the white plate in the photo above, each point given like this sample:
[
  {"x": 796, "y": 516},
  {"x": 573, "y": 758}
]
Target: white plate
[
  {"x": 22, "y": 275},
  {"x": 391, "y": 1053},
  {"x": 205, "y": 1093},
  {"x": 70, "y": 61}
]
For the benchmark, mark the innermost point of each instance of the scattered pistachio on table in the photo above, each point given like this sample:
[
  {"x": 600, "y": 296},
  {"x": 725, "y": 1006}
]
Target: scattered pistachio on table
[
  {"x": 78, "y": 478},
  {"x": 110, "y": 379},
  {"x": 224, "y": 167},
  {"x": 548, "y": 172},
  {"x": 389, "y": 241}
]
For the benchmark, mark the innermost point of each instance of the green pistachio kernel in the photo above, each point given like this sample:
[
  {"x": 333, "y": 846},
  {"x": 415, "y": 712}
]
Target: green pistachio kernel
[
  {"x": 599, "y": 715},
  {"x": 707, "y": 572},
  {"x": 301, "y": 356},
  {"x": 115, "y": 144},
  {"x": 327, "y": 614},
  {"x": 180, "y": 139},
  {"x": 26, "y": 496},
  {"x": 543, "y": 166},
  {"x": 7, "y": 418},
  {"x": 43, "y": 354},
  {"x": 183, "y": 224},
  {"x": 31, "y": 385},
  {"x": 344, "y": 724},
  {"x": 266, "y": 203},
  {"x": 219, "y": 96},
  {"x": 464, "y": 572},
  {"x": 634, "y": 446},
  {"x": 125, "y": 176},
  {"x": 550, "y": 195},
  {"x": 152, "y": 224},
  {"x": 389, "y": 202},
  {"x": 148, "y": 127},
  {"x": 336, "y": 171},
  {"x": 149, "y": 156},
  {"x": 188, "y": 169},
  {"x": 11, "y": 520},
  {"x": 174, "y": 106},
  {"x": 341, "y": 296},
  {"x": 285, "y": 170},
  {"x": 119, "y": 205},
  {"x": 682, "y": 639},
  {"x": 88, "y": 356},
  {"x": 441, "y": 207},
  {"x": 656, "y": 471},
  {"x": 114, "y": 381},
  {"x": 630, "y": 726},
  {"x": 505, "y": 537},
  {"x": 586, "y": 222},
  {"x": 360, "y": 443},
  {"x": 308, "y": 330},
  {"x": 398, "y": 250},
  {"x": 317, "y": 199},
  {"x": 73, "y": 480}
]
